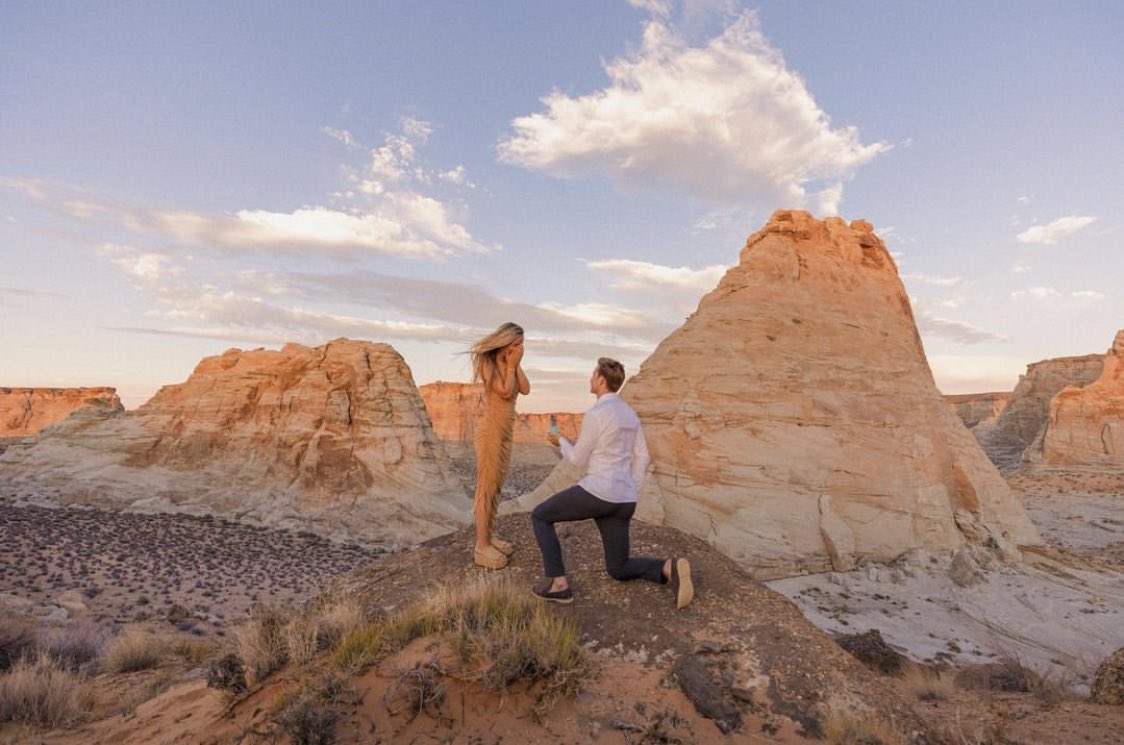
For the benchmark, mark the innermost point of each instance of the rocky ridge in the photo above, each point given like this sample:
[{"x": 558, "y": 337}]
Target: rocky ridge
[
  {"x": 25, "y": 411},
  {"x": 333, "y": 439},
  {"x": 454, "y": 407}
]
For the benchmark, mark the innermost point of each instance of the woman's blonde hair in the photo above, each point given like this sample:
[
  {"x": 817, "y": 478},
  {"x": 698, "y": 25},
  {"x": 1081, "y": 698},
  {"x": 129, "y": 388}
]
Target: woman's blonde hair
[{"x": 484, "y": 352}]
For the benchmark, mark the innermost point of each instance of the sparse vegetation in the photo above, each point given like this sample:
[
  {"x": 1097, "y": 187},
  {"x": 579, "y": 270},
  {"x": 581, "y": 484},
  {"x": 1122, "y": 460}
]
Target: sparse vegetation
[
  {"x": 309, "y": 716},
  {"x": 228, "y": 674},
  {"x": 261, "y": 642},
  {"x": 76, "y": 646},
  {"x": 853, "y": 728},
  {"x": 41, "y": 691},
  {"x": 926, "y": 684},
  {"x": 16, "y": 642},
  {"x": 506, "y": 635},
  {"x": 133, "y": 651}
]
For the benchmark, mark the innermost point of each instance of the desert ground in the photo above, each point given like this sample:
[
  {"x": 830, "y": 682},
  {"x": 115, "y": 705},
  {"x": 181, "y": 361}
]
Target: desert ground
[{"x": 1005, "y": 652}]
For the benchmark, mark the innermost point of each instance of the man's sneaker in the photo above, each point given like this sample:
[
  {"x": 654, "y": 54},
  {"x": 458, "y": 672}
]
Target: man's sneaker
[
  {"x": 559, "y": 596},
  {"x": 681, "y": 581}
]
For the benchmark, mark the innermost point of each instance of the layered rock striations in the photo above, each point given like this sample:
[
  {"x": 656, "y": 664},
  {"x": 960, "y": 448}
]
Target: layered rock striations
[
  {"x": 454, "y": 408},
  {"x": 333, "y": 439},
  {"x": 978, "y": 408},
  {"x": 1029, "y": 404},
  {"x": 793, "y": 420},
  {"x": 1085, "y": 424},
  {"x": 25, "y": 411}
]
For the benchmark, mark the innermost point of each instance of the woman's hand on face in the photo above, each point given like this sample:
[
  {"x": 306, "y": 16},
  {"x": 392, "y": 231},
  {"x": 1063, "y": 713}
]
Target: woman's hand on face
[{"x": 516, "y": 352}]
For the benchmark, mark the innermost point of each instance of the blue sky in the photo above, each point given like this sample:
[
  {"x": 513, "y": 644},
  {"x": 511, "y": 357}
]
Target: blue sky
[{"x": 180, "y": 178}]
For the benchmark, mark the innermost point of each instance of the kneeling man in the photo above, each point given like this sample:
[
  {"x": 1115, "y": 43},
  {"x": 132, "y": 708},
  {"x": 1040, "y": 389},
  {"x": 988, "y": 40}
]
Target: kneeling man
[{"x": 612, "y": 450}]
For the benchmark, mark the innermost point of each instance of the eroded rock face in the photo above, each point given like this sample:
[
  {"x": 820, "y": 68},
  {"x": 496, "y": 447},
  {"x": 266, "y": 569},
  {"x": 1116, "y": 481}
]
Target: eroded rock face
[
  {"x": 1029, "y": 404},
  {"x": 25, "y": 411},
  {"x": 454, "y": 407},
  {"x": 333, "y": 439},
  {"x": 1085, "y": 426},
  {"x": 978, "y": 408},
  {"x": 793, "y": 420}
]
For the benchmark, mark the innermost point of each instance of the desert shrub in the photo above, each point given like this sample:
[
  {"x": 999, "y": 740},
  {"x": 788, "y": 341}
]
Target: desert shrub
[
  {"x": 505, "y": 633},
  {"x": 261, "y": 643},
  {"x": 132, "y": 652},
  {"x": 227, "y": 674},
  {"x": 301, "y": 637},
  {"x": 192, "y": 651},
  {"x": 337, "y": 617},
  {"x": 41, "y": 691},
  {"x": 853, "y": 728},
  {"x": 309, "y": 716},
  {"x": 76, "y": 646},
  {"x": 16, "y": 642}
]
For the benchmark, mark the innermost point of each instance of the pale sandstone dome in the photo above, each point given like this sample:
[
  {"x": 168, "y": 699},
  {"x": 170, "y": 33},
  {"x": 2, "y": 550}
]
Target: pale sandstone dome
[
  {"x": 1085, "y": 425},
  {"x": 333, "y": 439},
  {"x": 454, "y": 408},
  {"x": 25, "y": 411},
  {"x": 793, "y": 420}
]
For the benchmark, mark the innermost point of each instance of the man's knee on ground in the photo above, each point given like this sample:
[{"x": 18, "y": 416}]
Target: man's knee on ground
[{"x": 616, "y": 571}]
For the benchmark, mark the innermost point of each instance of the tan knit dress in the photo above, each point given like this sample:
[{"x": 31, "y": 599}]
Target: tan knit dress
[{"x": 494, "y": 432}]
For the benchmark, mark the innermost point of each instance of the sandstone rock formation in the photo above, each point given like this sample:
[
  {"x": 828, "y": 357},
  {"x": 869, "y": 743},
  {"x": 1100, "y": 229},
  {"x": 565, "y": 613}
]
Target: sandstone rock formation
[
  {"x": 1085, "y": 426},
  {"x": 1029, "y": 404},
  {"x": 793, "y": 420},
  {"x": 25, "y": 411},
  {"x": 333, "y": 439},
  {"x": 454, "y": 407},
  {"x": 978, "y": 408}
]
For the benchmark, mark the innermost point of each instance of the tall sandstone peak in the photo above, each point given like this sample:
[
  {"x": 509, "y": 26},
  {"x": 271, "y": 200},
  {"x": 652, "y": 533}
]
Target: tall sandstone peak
[
  {"x": 25, "y": 411},
  {"x": 1085, "y": 425},
  {"x": 333, "y": 439},
  {"x": 793, "y": 420},
  {"x": 454, "y": 408},
  {"x": 978, "y": 408}
]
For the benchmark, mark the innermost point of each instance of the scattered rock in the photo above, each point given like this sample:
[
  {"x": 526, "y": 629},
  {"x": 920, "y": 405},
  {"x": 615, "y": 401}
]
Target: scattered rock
[{"x": 872, "y": 650}]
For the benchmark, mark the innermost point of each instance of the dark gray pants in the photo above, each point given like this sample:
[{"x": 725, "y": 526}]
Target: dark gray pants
[{"x": 612, "y": 520}]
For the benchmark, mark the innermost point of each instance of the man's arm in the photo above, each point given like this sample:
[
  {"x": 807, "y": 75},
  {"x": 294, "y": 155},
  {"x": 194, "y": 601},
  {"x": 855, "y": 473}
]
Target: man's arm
[
  {"x": 638, "y": 466},
  {"x": 578, "y": 453}
]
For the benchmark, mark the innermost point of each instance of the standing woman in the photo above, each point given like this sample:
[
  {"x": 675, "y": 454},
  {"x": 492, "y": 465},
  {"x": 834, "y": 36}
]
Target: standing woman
[{"x": 496, "y": 363}]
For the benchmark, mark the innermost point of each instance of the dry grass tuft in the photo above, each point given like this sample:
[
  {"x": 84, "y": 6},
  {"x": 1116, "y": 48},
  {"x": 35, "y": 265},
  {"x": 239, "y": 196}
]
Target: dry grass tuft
[
  {"x": 309, "y": 716},
  {"x": 502, "y": 632},
  {"x": 77, "y": 646},
  {"x": 851, "y": 728},
  {"x": 17, "y": 641},
  {"x": 261, "y": 643},
  {"x": 132, "y": 652},
  {"x": 42, "y": 691},
  {"x": 927, "y": 685}
]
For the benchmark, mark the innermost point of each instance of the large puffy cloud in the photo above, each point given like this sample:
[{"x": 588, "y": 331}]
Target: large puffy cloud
[
  {"x": 1051, "y": 232},
  {"x": 726, "y": 121}
]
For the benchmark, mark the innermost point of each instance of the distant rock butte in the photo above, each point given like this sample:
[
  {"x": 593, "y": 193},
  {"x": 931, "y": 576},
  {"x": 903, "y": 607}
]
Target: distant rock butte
[
  {"x": 978, "y": 408},
  {"x": 1085, "y": 425},
  {"x": 333, "y": 439},
  {"x": 454, "y": 407},
  {"x": 25, "y": 411},
  {"x": 793, "y": 419},
  {"x": 1029, "y": 404}
]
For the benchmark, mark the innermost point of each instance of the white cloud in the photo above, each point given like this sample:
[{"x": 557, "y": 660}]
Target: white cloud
[
  {"x": 933, "y": 280},
  {"x": 1035, "y": 293},
  {"x": 965, "y": 333},
  {"x": 641, "y": 275},
  {"x": 1021, "y": 267},
  {"x": 658, "y": 8},
  {"x": 1051, "y": 232},
  {"x": 387, "y": 212},
  {"x": 1087, "y": 295},
  {"x": 726, "y": 121}
]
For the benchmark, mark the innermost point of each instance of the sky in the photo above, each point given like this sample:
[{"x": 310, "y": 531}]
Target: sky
[{"x": 177, "y": 179}]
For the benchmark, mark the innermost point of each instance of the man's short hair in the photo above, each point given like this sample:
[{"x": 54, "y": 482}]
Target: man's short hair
[{"x": 612, "y": 371}]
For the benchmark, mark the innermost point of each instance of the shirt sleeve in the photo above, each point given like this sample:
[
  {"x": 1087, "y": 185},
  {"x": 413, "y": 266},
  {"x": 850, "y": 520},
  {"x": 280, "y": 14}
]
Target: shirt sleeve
[
  {"x": 640, "y": 458},
  {"x": 578, "y": 453}
]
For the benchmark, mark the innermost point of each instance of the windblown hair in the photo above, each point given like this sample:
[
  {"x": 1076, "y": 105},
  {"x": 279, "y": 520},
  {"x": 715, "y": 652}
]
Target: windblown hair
[
  {"x": 612, "y": 371},
  {"x": 484, "y": 352}
]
